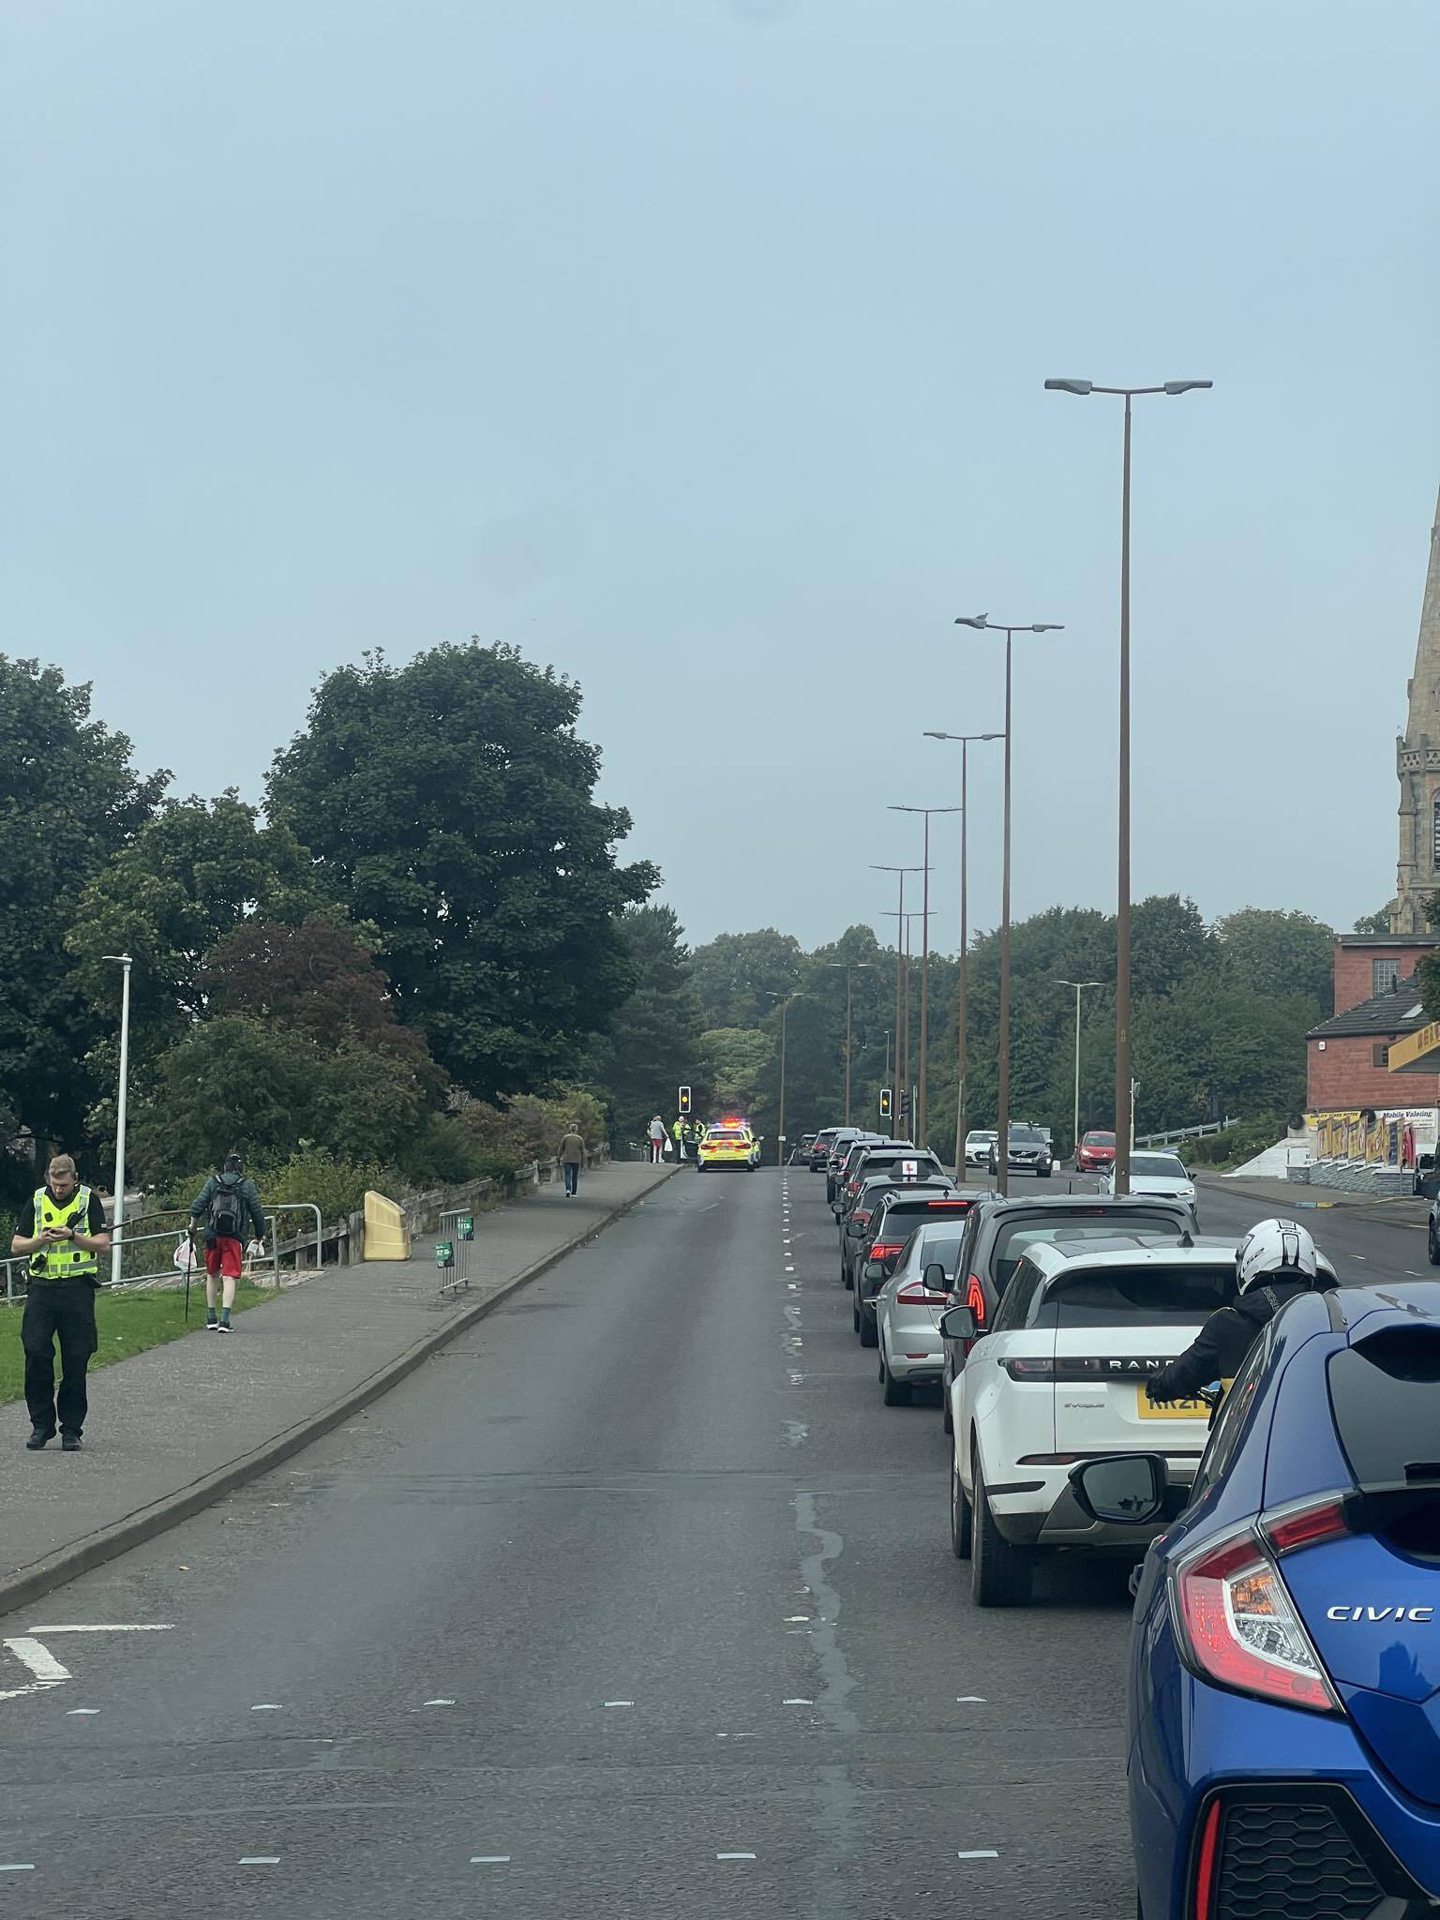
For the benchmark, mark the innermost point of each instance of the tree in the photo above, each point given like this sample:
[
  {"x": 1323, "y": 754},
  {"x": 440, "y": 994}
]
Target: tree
[
  {"x": 70, "y": 799},
  {"x": 1274, "y": 953},
  {"x": 654, "y": 1042},
  {"x": 1375, "y": 923},
  {"x": 733, "y": 1061},
  {"x": 451, "y": 803},
  {"x": 317, "y": 977},
  {"x": 739, "y": 975}
]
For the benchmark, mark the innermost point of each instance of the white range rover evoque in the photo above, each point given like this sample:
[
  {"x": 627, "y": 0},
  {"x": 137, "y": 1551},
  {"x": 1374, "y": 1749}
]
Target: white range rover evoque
[{"x": 1060, "y": 1377}]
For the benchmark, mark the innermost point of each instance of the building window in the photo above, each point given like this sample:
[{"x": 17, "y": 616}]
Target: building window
[
  {"x": 1380, "y": 1055},
  {"x": 1384, "y": 976}
]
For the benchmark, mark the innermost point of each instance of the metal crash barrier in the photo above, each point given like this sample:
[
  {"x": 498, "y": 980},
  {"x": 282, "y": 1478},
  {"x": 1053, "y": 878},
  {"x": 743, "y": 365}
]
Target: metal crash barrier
[{"x": 454, "y": 1248}]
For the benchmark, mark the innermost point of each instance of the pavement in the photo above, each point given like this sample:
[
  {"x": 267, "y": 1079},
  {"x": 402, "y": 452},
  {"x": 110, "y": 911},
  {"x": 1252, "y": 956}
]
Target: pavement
[{"x": 173, "y": 1428}]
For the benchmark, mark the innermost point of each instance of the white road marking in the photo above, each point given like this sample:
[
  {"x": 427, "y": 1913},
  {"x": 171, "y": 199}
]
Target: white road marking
[
  {"x": 41, "y": 1662},
  {"x": 797, "y": 1703},
  {"x": 1413, "y": 1275},
  {"x": 969, "y": 1700},
  {"x": 789, "y": 1269},
  {"x": 980, "y": 1853},
  {"x": 734, "y": 1856},
  {"x": 439, "y": 1703},
  {"x": 1359, "y": 1256},
  {"x": 267, "y": 1706},
  {"x": 489, "y": 1859},
  {"x": 259, "y": 1860},
  {"x": 792, "y": 1619},
  {"x": 146, "y": 1627},
  {"x": 74, "y": 1712},
  {"x": 619, "y": 1703},
  {"x": 17, "y": 1866}
]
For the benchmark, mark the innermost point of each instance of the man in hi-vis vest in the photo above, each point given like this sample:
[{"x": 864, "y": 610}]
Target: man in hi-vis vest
[{"x": 63, "y": 1232}]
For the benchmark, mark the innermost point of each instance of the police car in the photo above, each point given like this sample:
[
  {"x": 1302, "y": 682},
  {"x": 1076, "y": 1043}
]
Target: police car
[{"x": 729, "y": 1143}]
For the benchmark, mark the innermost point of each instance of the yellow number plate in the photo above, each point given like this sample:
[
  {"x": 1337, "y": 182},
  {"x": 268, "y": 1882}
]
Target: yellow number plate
[{"x": 1172, "y": 1409}]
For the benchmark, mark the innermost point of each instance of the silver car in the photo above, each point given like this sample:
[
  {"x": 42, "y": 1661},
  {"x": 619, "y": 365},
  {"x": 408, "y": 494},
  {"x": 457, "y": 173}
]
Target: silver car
[{"x": 908, "y": 1309}]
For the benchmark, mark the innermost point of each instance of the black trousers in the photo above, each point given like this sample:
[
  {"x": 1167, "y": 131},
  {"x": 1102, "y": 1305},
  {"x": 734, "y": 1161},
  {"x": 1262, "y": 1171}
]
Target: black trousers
[{"x": 63, "y": 1309}]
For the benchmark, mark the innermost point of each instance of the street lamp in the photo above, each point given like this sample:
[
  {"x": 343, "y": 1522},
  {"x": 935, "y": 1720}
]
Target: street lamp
[
  {"x": 123, "y": 960},
  {"x": 785, "y": 1003},
  {"x": 1122, "y": 916},
  {"x": 922, "y": 1107},
  {"x": 1079, "y": 986},
  {"x": 962, "y": 1010},
  {"x": 902, "y": 1020},
  {"x": 850, "y": 968},
  {"x": 982, "y": 623}
]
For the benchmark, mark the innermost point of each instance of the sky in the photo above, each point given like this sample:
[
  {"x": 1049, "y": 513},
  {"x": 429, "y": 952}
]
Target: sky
[{"x": 697, "y": 347}]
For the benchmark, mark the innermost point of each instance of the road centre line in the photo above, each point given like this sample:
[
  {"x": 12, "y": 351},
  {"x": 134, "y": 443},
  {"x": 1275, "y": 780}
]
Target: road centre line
[
  {"x": 146, "y": 1627},
  {"x": 734, "y": 1856},
  {"x": 980, "y": 1853},
  {"x": 258, "y": 1860},
  {"x": 489, "y": 1859},
  {"x": 17, "y": 1866}
]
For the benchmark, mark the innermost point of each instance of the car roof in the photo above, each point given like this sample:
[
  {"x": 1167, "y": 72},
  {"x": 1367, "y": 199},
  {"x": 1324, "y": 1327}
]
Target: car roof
[
  {"x": 1006, "y": 1205},
  {"x": 1128, "y": 1250}
]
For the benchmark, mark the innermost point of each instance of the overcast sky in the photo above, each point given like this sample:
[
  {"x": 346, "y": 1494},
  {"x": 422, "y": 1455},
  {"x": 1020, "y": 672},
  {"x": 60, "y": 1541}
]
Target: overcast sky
[{"x": 696, "y": 346}]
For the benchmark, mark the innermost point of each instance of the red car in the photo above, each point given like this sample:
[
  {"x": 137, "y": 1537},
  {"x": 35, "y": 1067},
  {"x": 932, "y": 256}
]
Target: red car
[{"x": 1095, "y": 1153}]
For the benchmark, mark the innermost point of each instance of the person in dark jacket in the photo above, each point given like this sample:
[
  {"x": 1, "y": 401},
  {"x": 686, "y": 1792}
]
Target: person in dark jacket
[
  {"x": 1276, "y": 1260},
  {"x": 63, "y": 1233},
  {"x": 222, "y": 1208}
]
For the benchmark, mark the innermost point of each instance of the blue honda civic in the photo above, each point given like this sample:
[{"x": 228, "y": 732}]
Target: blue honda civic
[{"x": 1284, "y": 1710}]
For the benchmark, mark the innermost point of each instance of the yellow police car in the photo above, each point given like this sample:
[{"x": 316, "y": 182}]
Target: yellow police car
[{"x": 729, "y": 1143}]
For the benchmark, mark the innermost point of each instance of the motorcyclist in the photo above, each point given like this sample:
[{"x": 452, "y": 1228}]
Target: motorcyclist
[{"x": 1276, "y": 1260}]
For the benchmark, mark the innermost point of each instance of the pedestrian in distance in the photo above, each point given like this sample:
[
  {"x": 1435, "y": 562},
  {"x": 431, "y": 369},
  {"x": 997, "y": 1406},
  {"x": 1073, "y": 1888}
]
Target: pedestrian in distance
[
  {"x": 656, "y": 1134},
  {"x": 221, "y": 1209},
  {"x": 63, "y": 1232},
  {"x": 572, "y": 1158},
  {"x": 681, "y": 1133}
]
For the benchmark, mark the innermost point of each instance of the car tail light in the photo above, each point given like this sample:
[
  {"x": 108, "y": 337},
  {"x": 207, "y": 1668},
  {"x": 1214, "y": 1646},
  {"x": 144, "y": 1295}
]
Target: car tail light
[
  {"x": 1243, "y": 1632},
  {"x": 1207, "y": 1855},
  {"x": 886, "y": 1249},
  {"x": 975, "y": 1298},
  {"x": 1289, "y": 1531},
  {"x": 1027, "y": 1369},
  {"x": 917, "y": 1294}
]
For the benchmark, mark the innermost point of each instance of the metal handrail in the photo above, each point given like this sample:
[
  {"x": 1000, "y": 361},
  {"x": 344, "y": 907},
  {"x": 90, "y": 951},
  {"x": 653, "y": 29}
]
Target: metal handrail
[{"x": 148, "y": 1281}]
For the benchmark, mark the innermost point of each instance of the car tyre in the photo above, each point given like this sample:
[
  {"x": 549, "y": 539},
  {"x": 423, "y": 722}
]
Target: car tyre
[
  {"x": 947, "y": 1419},
  {"x": 961, "y": 1529},
  {"x": 1000, "y": 1574},
  {"x": 895, "y": 1393},
  {"x": 1432, "y": 1245},
  {"x": 1044, "y": 1172},
  {"x": 869, "y": 1331}
]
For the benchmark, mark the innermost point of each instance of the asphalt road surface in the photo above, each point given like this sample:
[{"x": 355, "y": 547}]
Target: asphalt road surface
[{"x": 634, "y": 1602}]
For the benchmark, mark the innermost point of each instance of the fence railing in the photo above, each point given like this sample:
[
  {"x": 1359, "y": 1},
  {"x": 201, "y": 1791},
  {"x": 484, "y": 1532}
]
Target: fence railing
[
  {"x": 1183, "y": 1133},
  {"x": 139, "y": 1271},
  {"x": 455, "y": 1247}
]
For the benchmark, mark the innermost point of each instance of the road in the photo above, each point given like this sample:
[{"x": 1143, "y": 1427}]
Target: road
[{"x": 634, "y": 1602}]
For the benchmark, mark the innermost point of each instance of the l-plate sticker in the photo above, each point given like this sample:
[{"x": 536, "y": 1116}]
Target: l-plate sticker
[{"x": 909, "y": 1169}]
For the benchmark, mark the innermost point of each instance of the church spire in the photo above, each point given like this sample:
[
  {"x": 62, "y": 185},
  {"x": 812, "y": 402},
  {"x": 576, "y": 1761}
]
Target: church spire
[{"x": 1417, "y": 761}]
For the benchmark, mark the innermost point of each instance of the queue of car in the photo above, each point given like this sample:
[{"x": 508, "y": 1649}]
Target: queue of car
[{"x": 1284, "y": 1691}]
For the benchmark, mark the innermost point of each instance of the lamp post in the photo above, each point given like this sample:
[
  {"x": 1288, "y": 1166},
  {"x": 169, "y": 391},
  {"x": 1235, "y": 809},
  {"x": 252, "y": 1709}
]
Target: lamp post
[
  {"x": 1122, "y": 914},
  {"x": 850, "y": 969},
  {"x": 902, "y": 1024},
  {"x": 785, "y": 1003},
  {"x": 905, "y": 953},
  {"x": 984, "y": 624},
  {"x": 962, "y": 1009},
  {"x": 922, "y": 1107},
  {"x": 123, "y": 960},
  {"x": 1079, "y": 986}
]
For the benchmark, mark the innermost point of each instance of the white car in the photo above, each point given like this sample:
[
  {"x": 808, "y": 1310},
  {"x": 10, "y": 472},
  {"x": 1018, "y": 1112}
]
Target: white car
[
  {"x": 978, "y": 1143},
  {"x": 1061, "y": 1376},
  {"x": 1160, "y": 1173}
]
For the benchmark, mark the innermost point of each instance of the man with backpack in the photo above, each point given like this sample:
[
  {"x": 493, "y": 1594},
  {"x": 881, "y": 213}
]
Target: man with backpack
[{"x": 224, "y": 1204}]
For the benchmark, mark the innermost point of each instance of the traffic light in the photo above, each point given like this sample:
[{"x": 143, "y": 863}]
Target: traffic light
[
  {"x": 684, "y": 1100},
  {"x": 887, "y": 1103}
]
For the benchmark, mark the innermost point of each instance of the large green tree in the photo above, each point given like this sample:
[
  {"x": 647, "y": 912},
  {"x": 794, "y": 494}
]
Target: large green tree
[
  {"x": 451, "y": 802},
  {"x": 1274, "y": 953},
  {"x": 739, "y": 975},
  {"x": 70, "y": 800},
  {"x": 653, "y": 1044}
]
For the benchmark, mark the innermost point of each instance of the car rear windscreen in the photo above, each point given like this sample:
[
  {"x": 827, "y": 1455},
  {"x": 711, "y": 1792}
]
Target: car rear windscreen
[
  {"x": 939, "y": 1248},
  {"x": 1015, "y": 1237},
  {"x": 1122, "y": 1296},
  {"x": 1385, "y": 1394}
]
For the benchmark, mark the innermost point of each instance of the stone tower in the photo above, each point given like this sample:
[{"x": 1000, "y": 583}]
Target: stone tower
[{"x": 1417, "y": 761}]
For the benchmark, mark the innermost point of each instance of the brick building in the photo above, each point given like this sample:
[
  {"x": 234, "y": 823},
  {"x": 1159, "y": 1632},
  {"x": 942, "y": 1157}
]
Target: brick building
[{"x": 1377, "y": 1002}]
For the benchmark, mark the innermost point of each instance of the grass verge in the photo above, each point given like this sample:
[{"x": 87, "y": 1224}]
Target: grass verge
[{"x": 128, "y": 1323}]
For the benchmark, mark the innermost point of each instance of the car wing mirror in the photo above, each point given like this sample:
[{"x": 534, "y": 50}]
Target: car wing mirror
[
  {"x": 936, "y": 1279},
  {"x": 855, "y": 1230},
  {"x": 1122, "y": 1489},
  {"x": 958, "y": 1323}
]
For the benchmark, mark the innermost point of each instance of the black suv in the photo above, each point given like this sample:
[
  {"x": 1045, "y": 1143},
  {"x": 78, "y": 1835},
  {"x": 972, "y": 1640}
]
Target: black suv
[
  {"x": 895, "y": 1218},
  {"x": 857, "y": 1230},
  {"x": 999, "y": 1231}
]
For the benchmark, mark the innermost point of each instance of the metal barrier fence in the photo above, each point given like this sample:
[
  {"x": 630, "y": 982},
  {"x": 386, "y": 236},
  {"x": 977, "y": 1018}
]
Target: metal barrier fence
[
  {"x": 455, "y": 1247},
  {"x": 138, "y": 1273},
  {"x": 1183, "y": 1133}
]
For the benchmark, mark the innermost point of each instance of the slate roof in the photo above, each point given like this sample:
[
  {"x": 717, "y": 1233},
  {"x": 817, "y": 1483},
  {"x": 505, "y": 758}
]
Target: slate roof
[{"x": 1384, "y": 1016}]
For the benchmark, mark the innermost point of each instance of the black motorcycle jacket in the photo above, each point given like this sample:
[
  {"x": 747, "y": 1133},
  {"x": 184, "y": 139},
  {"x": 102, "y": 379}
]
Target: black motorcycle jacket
[{"x": 1218, "y": 1351}]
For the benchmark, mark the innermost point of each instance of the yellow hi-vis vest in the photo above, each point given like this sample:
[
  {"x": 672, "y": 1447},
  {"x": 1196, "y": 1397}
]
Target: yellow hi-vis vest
[{"x": 64, "y": 1260}]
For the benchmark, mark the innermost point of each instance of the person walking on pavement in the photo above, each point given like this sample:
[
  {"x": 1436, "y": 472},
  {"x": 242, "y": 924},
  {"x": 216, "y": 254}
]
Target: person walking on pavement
[
  {"x": 572, "y": 1158},
  {"x": 657, "y": 1140},
  {"x": 224, "y": 1204},
  {"x": 63, "y": 1231}
]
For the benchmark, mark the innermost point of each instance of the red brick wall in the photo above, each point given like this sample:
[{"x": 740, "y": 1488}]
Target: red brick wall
[
  {"x": 1343, "y": 1077},
  {"x": 1354, "y": 979}
]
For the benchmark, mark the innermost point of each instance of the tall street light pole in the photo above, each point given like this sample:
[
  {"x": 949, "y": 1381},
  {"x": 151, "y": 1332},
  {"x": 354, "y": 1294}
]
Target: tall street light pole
[
  {"x": 962, "y": 1002},
  {"x": 1079, "y": 986},
  {"x": 1122, "y": 915},
  {"x": 850, "y": 969},
  {"x": 904, "y": 1012},
  {"x": 984, "y": 624},
  {"x": 922, "y": 1105},
  {"x": 117, "y": 1251},
  {"x": 901, "y": 1024},
  {"x": 785, "y": 1005}
]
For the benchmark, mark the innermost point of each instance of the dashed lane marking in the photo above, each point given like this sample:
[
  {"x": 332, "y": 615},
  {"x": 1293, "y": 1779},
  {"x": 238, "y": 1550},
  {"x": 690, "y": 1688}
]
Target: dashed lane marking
[
  {"x": 489, "y": 1859},
  {"x": 267, "y": 1706},
  {"x": 438, "y": 1703},
  {"x": 74, "y": 1713},
  {"x": 619, "y": 1703},
  {"x": 258, "y": 1860},
  {"x": 734, "y": 1856},
  {"x": 979, "y": 1853},
  {"x": 17, "y": 1866},
  {"x": 969, "y": 1700}
]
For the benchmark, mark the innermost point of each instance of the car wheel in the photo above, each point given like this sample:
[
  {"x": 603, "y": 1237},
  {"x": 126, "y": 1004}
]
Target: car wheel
[
  {"x": 845, "y": 1279},
  {"x": 947, "y": 1422},
  {"x": 895, "y": 1393},
  {"x": 1000, "y": 1574},
  {"x": 869, "y": 1331},
  {"x": 960, "y": 1524},
  {"x": 855, "y": 1316},
  {"x": 1432, "y": 1245},
  {"x": 1044, "y": 1172}
]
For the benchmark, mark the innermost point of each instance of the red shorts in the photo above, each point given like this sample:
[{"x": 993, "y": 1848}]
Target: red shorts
[{"x": 224, "y": 1256}]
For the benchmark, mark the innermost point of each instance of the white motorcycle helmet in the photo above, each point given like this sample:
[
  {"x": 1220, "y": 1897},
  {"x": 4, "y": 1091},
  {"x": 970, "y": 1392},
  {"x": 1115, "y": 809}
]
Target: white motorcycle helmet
[{"x": 1275, "y": 1250}]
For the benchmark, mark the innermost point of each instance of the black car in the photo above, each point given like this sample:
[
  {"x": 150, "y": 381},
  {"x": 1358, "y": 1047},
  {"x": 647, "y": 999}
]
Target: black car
[
  {"x": 999, "y": 1230},
  {"x": 896, "y": 1217},
  {"x": 817, "y": 1151},
  {"x": 1030, "y": 1151},
  {"x": 857, "y": 1231},
  {"x": 874, "y": 1156},
  {"x": 840, "y": 1147}
]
